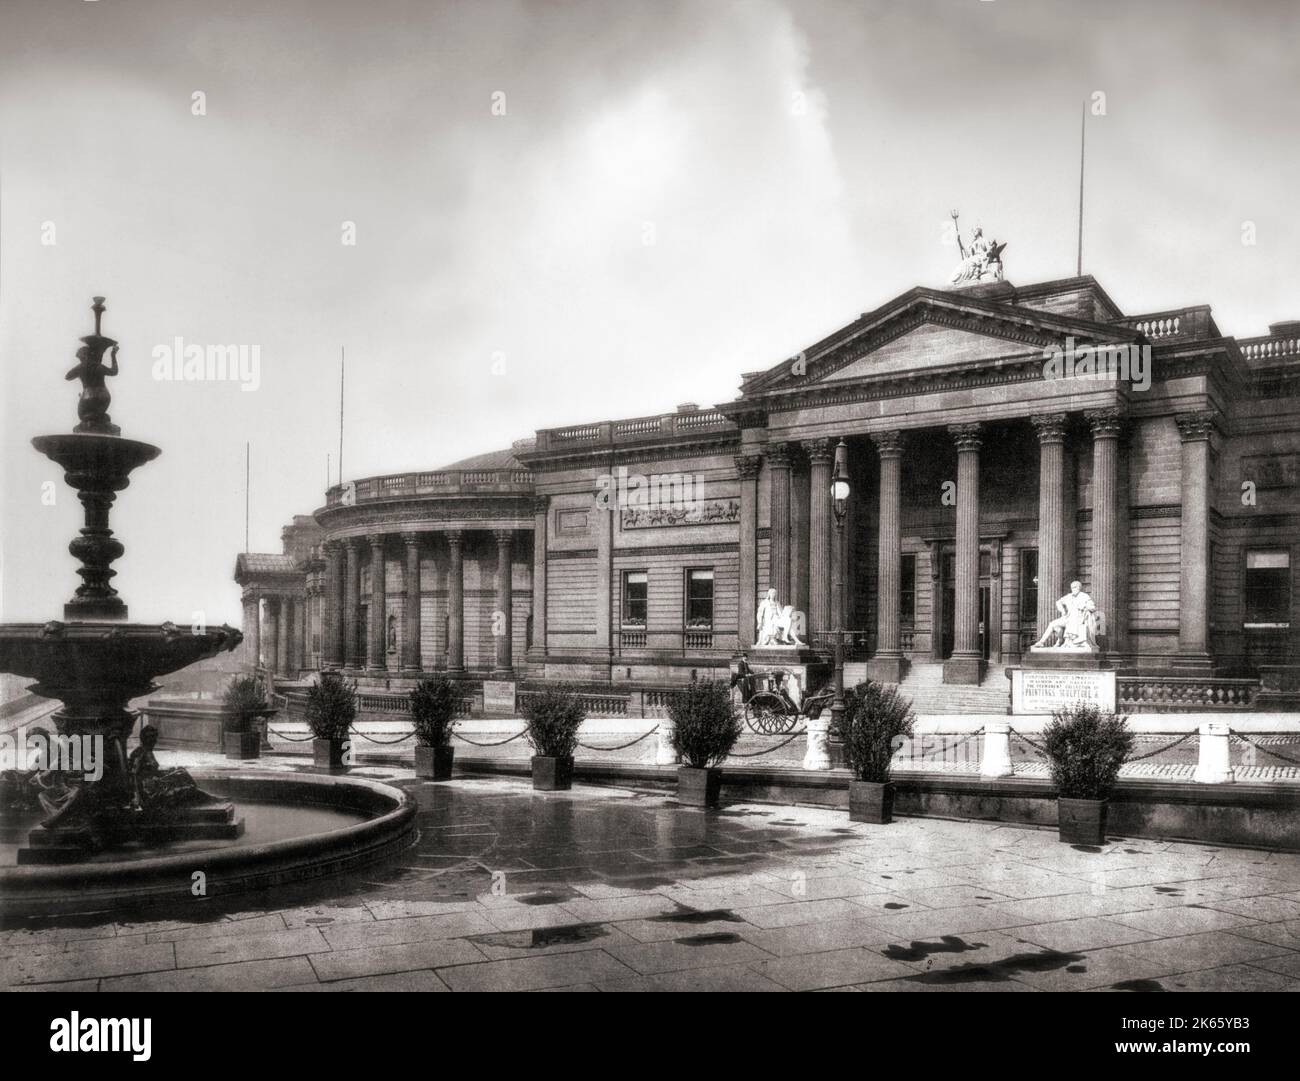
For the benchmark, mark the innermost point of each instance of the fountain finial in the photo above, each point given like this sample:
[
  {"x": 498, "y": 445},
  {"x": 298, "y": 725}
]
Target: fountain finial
[
  {"x": 98, "y": 309},
  {"x": 92, "y": 407}
]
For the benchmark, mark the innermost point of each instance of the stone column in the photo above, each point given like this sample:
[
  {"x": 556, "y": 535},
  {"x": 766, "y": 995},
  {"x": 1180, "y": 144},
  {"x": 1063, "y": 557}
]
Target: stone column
[
  {"x": 541, "y": 512},
  {"x": 297, "y": 632},
  {"x": 352, "y": 603},
  {"x": 376, "y": 659},
  {"x": 1051, "y": 516},
  {"x": 606, "y": 637},
  {"x": 1104, "y": 587},
  {"x": 778, "y": 479},
  {"x": 821, "y": 453},
  {"x": 332, "y": 608},
  {"x": 456, "y": 602},
  {"x": 411, "y": 628},
  {"x": 503, "y": 667},
  {"x": 887, "y": 664},
  {"x": 1196, "y": 430},
  {"x": 966, "y": 665},
  {"x": 278, "y": 635},
  {"x": 252, "y": 628},
  {"x": 747, "y": 467}
]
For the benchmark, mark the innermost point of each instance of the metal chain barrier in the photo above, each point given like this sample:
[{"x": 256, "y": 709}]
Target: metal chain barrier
[
  {"x": 621, "y": 746},
  {"x": 1161, "y": 750},
  {"x": 285, "y": 735},
  {"x": 769, "y": 750},
  {"x": 500, "y": 743},
  {"x": 947, "y": 747},
  {"x": 1020, "y": 735},
  {"x": 1259, "y": 747},
  {"x": 383, "y": 742}
]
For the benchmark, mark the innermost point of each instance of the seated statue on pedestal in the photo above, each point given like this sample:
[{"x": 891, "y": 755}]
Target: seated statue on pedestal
[
  {"x": 159, "y": 790},
  {"x": 775, "y": 623},
  {"x": 1075, "y": 628}
]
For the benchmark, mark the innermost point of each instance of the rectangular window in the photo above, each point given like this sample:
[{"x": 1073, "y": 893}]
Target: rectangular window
[
  {"x": 635, "y": 585},
  {"x": 907, "y": 589},
  {"x": 1029, "y": 586},
  {"x": 1267, "y": 593},
  {"x": 699, "y": 600}
]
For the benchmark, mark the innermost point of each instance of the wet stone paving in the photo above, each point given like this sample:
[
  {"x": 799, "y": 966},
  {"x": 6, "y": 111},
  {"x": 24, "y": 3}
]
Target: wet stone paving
[{"x": 617, "y": 890}]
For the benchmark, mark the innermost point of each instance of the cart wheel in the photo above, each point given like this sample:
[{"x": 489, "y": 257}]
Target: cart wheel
[{"x": 768, "y": 714}]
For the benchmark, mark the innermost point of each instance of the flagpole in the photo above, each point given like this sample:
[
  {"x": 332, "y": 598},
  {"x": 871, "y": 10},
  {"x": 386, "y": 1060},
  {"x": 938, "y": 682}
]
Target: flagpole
[
  {"x": 1083, "y": 142},
  {"x": 248, "y": 472},
  {"x": 343, "y": 364}
]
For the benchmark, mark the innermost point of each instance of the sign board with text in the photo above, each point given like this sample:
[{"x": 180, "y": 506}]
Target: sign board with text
[
  {"x": 499, "y": 696},
  {"x": 1042, "y": 690}
]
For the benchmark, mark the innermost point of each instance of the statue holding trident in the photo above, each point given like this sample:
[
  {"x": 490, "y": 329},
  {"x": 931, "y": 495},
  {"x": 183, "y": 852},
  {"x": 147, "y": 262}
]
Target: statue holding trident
[
  {"x": 92, "y": 406},
  {"x": 980, "y": 258}
]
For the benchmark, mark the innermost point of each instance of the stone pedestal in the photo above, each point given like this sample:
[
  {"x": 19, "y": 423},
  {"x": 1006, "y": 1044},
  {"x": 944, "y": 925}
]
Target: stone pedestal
[
  {"x": 996, "y": 760},
  {"x": 1214, "y": 766}
]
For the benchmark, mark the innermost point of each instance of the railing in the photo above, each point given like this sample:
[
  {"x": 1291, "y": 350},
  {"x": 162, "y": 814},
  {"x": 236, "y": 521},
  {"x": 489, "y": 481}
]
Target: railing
[
  {"x": 857, "y": 644},
  {"x": 600, "y": 705},
  {"x": 446, "y": 482},
  {"x": 632, "y": 639},
  {"x": 697, "y": 640},
  {"x": 370, "y": 702},
  {"x": 1178, "y": 323},
  {"x": 666, "y": 425},
  {"x": 907, "y": 639},
  {"x": 1255, "y": 350},
  {"x": 1174, "y": 694}
]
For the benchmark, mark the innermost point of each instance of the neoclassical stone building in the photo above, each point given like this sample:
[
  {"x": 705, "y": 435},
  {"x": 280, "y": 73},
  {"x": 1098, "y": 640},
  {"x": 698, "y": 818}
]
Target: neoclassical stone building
[{"x": 985, "y": 476}]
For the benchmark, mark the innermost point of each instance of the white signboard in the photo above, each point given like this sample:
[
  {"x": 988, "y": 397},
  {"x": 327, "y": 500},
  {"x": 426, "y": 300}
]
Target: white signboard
[
  {"x": 1042, "y": 690},
  {"x": 499, "y": 696}
]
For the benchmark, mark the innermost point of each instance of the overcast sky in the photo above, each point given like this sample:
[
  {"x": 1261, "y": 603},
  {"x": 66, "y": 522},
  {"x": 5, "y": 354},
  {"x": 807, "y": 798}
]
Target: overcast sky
[{"x": 676, "y": 193}]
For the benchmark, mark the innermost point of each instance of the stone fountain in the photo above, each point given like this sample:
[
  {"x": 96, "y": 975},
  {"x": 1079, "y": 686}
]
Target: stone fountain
[{"x": 95, "y": 662}]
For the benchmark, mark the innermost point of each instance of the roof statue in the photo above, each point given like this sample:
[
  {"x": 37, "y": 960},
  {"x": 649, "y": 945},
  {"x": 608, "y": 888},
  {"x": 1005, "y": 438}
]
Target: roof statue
[{"x": 981, "y": 258}]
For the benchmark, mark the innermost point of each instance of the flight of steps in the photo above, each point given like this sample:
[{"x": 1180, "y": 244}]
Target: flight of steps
[{"x": 930, "y": 696}]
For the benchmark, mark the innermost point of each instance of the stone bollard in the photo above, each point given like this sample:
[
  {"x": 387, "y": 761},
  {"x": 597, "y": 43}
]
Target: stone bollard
[
  {"x": 996, "y": 760},
  {"x": 818, "y": 754},
  {"x": 1214, "y": 766},
  {"x": 664, "y": 753}
]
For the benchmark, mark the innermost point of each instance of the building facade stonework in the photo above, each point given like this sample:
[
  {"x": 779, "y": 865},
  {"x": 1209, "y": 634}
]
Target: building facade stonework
[{"x": 984, "y": 480}]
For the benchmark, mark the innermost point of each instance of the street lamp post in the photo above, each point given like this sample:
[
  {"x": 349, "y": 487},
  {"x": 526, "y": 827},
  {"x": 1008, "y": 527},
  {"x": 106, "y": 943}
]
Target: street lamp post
[{"x": 840, "y": 492}]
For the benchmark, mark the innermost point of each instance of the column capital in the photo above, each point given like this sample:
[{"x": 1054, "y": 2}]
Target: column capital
[
  {"x": 819, "y": 451},
  {"x": 504, "y": 537},
  {"x": 541, "y": 504},
  {"x": 888, "y": 444},
  {"x": 780, "y": 455},
  {"x": 455, "y": 538},
  {"x": 1196, "y": 426},
  {"x": 331, "y": 547},
  {"x": 748, "y": 465},
  {"x": 352, "y": 544},
  {"x": 968, "y": 437},
  {"x": 376, "y": 540},
  {"x": 411, "y": 539},
  {"x": 1050, "y": 427},
  {"x": 1105, "y": 423}
]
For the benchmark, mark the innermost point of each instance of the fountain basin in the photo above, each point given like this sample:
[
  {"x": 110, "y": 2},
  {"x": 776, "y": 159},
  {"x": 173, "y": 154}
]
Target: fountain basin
[{"x": 375, "y": 821}]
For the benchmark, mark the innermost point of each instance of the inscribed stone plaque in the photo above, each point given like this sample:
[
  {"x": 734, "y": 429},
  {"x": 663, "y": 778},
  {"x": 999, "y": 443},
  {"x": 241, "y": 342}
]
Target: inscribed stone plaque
[
  {"x": 499, "y": 696},
  {"x": 1042, "y": 690}
]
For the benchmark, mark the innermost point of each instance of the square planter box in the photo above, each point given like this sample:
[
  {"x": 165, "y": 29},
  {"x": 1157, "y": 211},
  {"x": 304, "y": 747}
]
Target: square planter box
[
  {"x": 434, "y": 763},
  {"x": 552, "y": 774},
  {"x": 1081, "y": 821},
  {"x": 328, "y": 753},
  {"x": 699, "y": 787},
  {"x": 242, "y": 745},
  {"x": 871, "y": 801}
]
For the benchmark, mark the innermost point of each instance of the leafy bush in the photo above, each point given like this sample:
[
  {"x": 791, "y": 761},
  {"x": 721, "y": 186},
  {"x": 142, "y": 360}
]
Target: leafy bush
[
  {"x": 1086, "y": 747},
  {"x": 433, "y": 705},
  {"x": 554, "y": 715},
  {"x": 243, "y": 701},
  {"x": 707, "y": 723},
  {"x": 878, "y": 717},
  {"x": 331, "y": 706}
]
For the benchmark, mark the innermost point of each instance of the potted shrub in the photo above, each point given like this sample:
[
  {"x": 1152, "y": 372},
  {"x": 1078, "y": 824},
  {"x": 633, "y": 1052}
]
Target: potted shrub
[
  {"x": 433, "y": 705},
  {"x": 875, "y": 718},
  {"x": 554, "y": 716},
  {"x": 1086, "y": 746},
  {"x": 706, "y": 728},
  {"x": 331, "y": 709},
  {"x": 243, "y": 705}
]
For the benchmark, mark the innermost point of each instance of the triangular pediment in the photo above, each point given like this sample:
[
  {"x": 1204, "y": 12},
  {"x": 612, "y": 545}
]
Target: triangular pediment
[{"x": 926, "y": 330}]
